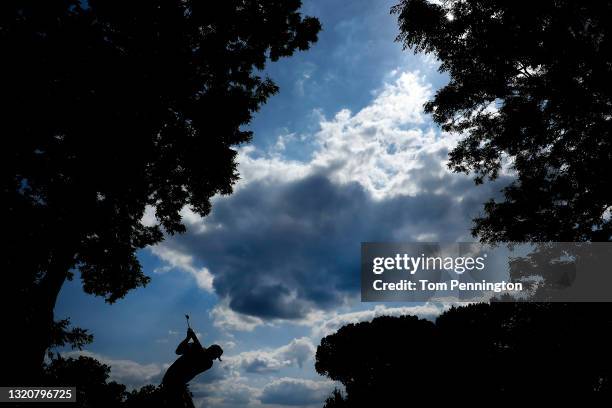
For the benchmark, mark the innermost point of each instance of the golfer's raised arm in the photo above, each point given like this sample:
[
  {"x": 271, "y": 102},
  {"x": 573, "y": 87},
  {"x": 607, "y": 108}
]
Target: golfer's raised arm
[
  {"x": 194, "y": 338},
  {"x": 183, "y": 345}
]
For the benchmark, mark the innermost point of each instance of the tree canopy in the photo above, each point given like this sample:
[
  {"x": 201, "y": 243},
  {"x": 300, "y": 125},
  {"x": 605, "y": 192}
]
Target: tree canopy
[
  {"x": 94, "y": 389},
  {"x": 108, "y": 107},
  {"x": 529, "y": 93},
  {"x": 481, "y": 347},
  {"x": 529, "y": 90}
]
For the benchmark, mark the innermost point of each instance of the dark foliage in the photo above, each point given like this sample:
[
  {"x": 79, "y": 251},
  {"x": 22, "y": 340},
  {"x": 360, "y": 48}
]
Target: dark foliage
[
  {"x": 63, "y": 335},
  {"x": 110, "y": 106},
  {"x": 486, "y": 347},
  {"x": 530, "y": 87},
  {"x": 90, "y": 378},
  {"x": 95, "y": 390},
  {"x": 149, "y": 396}
]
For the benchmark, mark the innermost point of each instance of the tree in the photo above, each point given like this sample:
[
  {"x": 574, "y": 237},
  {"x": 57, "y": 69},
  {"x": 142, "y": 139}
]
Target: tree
[
  {"x": 529, "y": 87},
  {"x": 108, "y": 108},
  {"x": 529, "y": 91},
  {"x": 90, "y": 377},
  {"x": 377, "y": 360},
  {"x": 477, "y": 348},
  {"x": 63, "y": 335},
  {"x": 149, "y": 396}
]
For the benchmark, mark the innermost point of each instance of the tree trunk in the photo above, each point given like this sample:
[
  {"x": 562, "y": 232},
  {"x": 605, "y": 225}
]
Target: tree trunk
[{"x": 29, "y": 320}]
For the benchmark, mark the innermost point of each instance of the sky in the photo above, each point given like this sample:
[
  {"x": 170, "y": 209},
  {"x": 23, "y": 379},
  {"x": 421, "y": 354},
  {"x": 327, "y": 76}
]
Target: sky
[{"x": 343, "y": 154}]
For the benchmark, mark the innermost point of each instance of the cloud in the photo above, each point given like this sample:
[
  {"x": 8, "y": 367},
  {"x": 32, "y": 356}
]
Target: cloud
[
  {"x": 378, "y": 147},
  {"x": 305, "y": 76},
  {"x": 240, "y": 378},
  {"x": 228, "y": 344},
  {"x": 296, "y": 392},
  {"x": 227, "y": 319},
  {"x": 387, "y": 147},
  {"x": 296, "y": 353},
  {"x": 331, "y": 322},
  {"x": 183, "y": 262},
  {"x": 298, "y": 245},
  {"x": 230, "y": 392},
  {"x": 286, "y": 243}
]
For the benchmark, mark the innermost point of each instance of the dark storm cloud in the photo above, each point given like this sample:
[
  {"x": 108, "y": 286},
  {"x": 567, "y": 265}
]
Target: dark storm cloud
[{"x": 282, "y": 250}]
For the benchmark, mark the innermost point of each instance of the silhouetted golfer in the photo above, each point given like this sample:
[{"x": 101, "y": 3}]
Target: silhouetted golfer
[{"x": 194, "y": 359}]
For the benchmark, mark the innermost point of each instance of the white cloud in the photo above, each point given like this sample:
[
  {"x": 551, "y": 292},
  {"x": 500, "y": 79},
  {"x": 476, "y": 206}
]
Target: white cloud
[
  {"x": 227, "y": 344},
  {"x": 296, "y": 392},
  {"x": 296, "y": 353},
  {"x": 331, "y": 322},
  {"x": 379, "y": 147},
  {"x": 226, "y": 319},
  {"x": 321, "y": 323},
  {"x": 183, "y": 262},
  {"x": 148, "y": 218},
  {"x": 270, "y": 168},
  {"x": 234, "y": 391},
  {"x": 304, "y": 77}
]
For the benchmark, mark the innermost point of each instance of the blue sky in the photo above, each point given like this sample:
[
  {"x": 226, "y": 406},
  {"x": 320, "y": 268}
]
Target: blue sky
[{"x": 343, "y": 154}]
